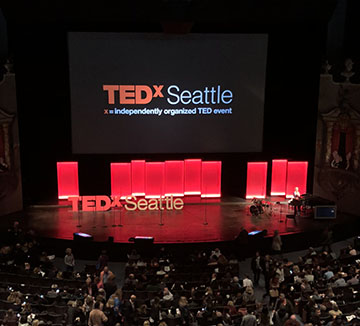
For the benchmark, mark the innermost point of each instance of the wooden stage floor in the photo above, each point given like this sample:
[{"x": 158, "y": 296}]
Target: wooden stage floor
[{"x": 201, "y": 221}]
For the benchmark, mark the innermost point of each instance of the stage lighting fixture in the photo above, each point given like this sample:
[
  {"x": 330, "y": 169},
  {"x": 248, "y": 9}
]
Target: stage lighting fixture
[
  {"x": 141, "y": 240},
  {"x": 254, "y": 232},
  {"x": 80, "y": 236},
  {"x": 258, "y": 233}
]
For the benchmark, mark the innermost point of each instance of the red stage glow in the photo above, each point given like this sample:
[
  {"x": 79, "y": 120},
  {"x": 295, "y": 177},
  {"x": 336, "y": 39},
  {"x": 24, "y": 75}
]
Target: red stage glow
[
  {"x": 211, "y": 179},
  {"x": 192, "y": 177},
  {"x": 120, "y": 179},
  {"x": 154, "y": 179},
  {"x": 68, "y": 180},
  {"x": 138, "y": 177},
  {"x": 278, "y": 177},
  {"x": 256, "y": 180},
  {"x": 296, "y": 177},
  {"x": 174, "y": 178}
]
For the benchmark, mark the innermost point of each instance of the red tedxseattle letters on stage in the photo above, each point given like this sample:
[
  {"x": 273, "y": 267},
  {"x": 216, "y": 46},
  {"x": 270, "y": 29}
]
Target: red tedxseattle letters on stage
[{"x": 104, "y": 203}]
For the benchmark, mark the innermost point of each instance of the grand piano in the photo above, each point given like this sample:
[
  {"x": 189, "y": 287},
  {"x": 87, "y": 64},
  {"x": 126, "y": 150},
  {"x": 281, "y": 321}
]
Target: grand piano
[{"x": 309, "y": 200}]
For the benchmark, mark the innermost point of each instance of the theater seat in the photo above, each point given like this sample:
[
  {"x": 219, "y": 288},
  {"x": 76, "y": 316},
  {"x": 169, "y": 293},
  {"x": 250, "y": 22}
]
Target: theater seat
[
  {"x": 55, "y": 318},
  {"x": 60, "y": 309},
  {"x": 173, "y": 321}
]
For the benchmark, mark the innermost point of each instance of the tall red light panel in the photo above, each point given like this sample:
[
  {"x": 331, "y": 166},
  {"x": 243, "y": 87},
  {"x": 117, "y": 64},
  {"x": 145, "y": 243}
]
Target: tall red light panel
[
  {"x": 68, "y": 179},
  {"x": 174, "y": 178},
  {"x": 256, "y": 180},
  {"x": 211, "y": 179},
  {"x": 296, "y": 177},
  {"x": 154, "y": 179},
  {"x": 192, "y": 177},
  {"x": 278, "y": 177},
  {"x": 120, "y": 179},
  {"x": 138, "y": 177}
]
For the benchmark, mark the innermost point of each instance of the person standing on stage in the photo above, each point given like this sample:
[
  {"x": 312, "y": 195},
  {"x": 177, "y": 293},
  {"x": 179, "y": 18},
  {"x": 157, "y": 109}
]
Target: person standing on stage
[
  {"x": 296, "y": 193},
  {"x": 256, "y": 267},
  {"x": 296, "y": 201}
]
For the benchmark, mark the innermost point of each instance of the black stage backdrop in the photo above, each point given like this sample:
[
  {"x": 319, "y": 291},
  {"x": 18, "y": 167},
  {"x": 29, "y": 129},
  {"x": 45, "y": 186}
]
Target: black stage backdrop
[{"x": 41, "y": 63}]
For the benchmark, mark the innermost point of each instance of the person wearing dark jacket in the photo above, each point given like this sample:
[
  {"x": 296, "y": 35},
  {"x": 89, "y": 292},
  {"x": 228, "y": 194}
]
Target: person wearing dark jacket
[
  {"x": 110, "y": 286},
  {"x": 10, "y": 318},
  {"x": 280, "y": 317},
  {"x": 256, "y": 263},
  {"x": 103, "y": 261},
  {"x": 267, "y": 269},
  {"x": 90, "y": 288},
  {"x": 130, "y": 311},
  {"x": 74, "y": 312}
]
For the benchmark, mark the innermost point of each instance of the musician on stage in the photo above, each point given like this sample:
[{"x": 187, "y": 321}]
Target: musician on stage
[{"x": 296, "y": 201}]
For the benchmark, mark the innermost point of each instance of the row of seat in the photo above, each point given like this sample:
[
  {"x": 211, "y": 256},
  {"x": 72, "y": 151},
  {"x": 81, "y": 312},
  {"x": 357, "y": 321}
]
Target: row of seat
[
  {"x": 31, "y": 289},
  {"x": 6, "y": 277}
]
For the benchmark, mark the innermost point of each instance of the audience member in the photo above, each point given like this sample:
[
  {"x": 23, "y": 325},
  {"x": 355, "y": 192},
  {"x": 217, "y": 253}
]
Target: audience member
[
  {"x": 97, "y": 316},
  {"x": 69, "y": 260}
]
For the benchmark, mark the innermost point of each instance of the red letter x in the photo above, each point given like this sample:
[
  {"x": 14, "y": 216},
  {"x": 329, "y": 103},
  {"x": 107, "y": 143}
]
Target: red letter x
[
  {"x": 116, "y": 201},
  {"x": 158, "y": 91}
]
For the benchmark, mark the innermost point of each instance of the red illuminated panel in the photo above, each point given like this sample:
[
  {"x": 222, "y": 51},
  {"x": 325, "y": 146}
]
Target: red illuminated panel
[
  {"x": 68, "y": 180},
  {"x": 174, "y": 178},
  {"x": 211, "y": 179},
  {"x": 138, "y": 177},
  {"x": 256, "y": 180},
  {"x": 296, "y": 177},
  {"x": 154, "y": 179},
  {"x": 120, "y": 179},
  {"x": 192, "y": 177},
  {"x": 278, "y": 177}
]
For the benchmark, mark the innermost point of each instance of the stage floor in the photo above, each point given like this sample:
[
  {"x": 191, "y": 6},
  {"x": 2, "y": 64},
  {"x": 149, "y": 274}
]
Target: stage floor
[{"x": 200, "y": 221}]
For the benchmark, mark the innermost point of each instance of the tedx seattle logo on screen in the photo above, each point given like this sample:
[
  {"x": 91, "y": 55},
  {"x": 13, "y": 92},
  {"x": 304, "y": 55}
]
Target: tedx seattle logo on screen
[
  {"x": 198, "y": 101},
  {"x": 133, "y": 94}
]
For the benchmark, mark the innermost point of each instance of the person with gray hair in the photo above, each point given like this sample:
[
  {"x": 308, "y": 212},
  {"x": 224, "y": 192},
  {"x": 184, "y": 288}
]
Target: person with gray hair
[
  {"x": 248, "y": 320},
  {"x": 69, "y": 260}
]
